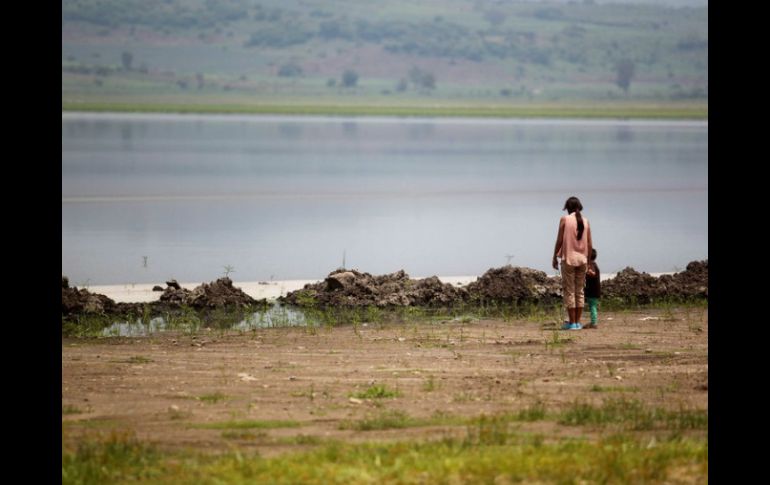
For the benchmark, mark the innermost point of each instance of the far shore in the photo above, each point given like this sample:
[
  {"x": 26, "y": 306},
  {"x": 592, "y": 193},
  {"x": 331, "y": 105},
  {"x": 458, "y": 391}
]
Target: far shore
[
  {"x": 270, "y": 290},
  {"x": 437, "y": 108}
]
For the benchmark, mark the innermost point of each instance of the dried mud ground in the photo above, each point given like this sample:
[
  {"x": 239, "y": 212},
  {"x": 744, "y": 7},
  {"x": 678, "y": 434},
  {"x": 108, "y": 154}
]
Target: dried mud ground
[{"x": 167, "y": 387}]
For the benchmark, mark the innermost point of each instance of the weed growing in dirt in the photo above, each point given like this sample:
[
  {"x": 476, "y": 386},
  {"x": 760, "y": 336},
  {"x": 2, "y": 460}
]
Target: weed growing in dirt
[
  {"x": 557, "y": 341},
  {"x": 598, "y": 388},
  {"x": 70, "y": 409},
  {"x": 186, "y": 320},
  {"x": 430, "y": 384},
  {"x": 85, "y": 326},
  {"x": 634, "y": 415},
  {"x": 249, "y": 424},
  {"x": 386, "y": 420},
  {"x": 137, "y": 359},
  {"x": 243, "y": 435},
  {"x": 399, "y": 420},
  {"x": 300, "y": 439},
  {"x": 535, "y": 412},
  {"x": 377, "y": 391},
  {"x": 212, "y": 398},
  {"x": 118, "y": 456}
]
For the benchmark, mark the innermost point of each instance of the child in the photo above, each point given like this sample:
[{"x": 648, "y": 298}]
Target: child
[{"x": 593, "y": 289}]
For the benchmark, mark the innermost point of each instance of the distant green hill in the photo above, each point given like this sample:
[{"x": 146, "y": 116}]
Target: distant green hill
[{"x": 220, "y": 52}]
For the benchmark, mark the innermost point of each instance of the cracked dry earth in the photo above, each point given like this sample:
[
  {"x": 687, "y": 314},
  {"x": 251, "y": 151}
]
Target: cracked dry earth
[{"x": 166, "y": 386}]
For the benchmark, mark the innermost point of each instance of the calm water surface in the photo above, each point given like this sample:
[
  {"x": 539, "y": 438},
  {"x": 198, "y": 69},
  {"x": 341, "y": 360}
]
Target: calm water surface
[{"x": 151, "y": 197}]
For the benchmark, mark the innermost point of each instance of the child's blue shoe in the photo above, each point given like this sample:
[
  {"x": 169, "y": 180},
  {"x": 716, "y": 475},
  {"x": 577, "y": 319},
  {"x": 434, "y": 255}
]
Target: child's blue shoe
[
  {"x": 577, "y": 326},
  {"x": 566, "y": 326}
]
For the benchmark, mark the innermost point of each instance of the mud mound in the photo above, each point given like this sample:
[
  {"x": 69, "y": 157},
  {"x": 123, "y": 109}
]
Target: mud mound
[
  {"x": 74, "y": 301},
  {"x": 220, "y": 293},
  {"x": 355, "y": 289},
  {"x": 516, "y": 285},
  {"x": 175, "y": 296},
  {"x": 630, "y": 284}
]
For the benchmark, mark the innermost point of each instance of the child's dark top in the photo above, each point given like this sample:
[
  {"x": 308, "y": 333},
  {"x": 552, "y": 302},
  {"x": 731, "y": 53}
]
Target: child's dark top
[{"x": 593, "y": 283}]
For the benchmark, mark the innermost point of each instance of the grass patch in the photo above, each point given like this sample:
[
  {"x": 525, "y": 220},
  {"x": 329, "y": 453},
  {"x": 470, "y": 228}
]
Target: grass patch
[
  {"x": 116, "y": 457},
  {"x": 557, "y": 341},
  {"x": 377, "y": 391},
  {"x": 137, "y": 359},
  {"x": 400, "y": 419},
  {"x": 430, "y": 384},
  {"x": 212, "y": 398},
  {"x": 496, "y": 458},
  {"x": 634, "y": 415},
  {"x": 85, "y": 326},
  {"x": 300, "y": 439},
  {"x": 536, "y": 412},
  {"x": 242, "y": 435},
  {"x": 249, "y": 424},
  {"x": 70, "y": 409},
  {"x": 598, "y": 388}
]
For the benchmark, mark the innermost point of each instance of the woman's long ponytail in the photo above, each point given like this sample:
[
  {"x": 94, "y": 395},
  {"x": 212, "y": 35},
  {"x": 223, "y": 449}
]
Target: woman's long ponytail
[
  {"x": 580, "y": 225},
  {"x": 573, "y": 205}
]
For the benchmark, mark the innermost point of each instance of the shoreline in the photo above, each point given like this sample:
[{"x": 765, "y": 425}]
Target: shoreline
[{"x": 142, "y": 292}]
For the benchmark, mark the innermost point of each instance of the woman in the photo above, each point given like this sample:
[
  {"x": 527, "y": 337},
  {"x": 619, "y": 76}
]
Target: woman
[{"x": 573, "y": 245}]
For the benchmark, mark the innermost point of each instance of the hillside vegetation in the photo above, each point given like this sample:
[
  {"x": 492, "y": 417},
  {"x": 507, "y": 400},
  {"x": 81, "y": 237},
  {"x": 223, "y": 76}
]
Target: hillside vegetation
[{"x": 331, "y": 52}]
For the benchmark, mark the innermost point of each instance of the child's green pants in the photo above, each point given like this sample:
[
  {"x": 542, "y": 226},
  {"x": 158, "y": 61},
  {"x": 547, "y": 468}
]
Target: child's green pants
[{"x": 593, "y": 305}]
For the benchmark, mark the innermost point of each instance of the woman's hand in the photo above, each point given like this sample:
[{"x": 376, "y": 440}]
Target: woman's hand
[{"x": 555, "y": 263}]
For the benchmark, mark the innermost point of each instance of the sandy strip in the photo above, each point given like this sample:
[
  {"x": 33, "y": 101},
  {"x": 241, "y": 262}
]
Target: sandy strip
[{"x": 140, "y": 293}]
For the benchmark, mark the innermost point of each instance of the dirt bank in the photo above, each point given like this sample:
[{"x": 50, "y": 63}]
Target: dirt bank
[
  {"x": 219, "y": 294},
  {"x": 352, "y": 288},
  {"x": 507, "y": 284}
]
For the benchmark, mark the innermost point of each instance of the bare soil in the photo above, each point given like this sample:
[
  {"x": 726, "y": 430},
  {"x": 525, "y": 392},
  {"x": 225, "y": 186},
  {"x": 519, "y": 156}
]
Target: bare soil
[{"x": 163, "y": 386}]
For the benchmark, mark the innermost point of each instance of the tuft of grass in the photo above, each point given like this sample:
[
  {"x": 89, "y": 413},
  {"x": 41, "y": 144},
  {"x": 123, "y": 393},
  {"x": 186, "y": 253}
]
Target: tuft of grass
[
  {"x": 212, "y": 398},
  {"x": 400, "y": 419},
  {"x": 242, "y": 435},
  {"x": 377, "y": 391},
  {"x": 118, "y": 456},
  {"x": 536, "y": 412},
  {"x": 137, "y": 359},
  {"x": 70, "y": 409},
  {"x": 430, "y": 384},
  {"x": 557, "y": 340},
  {"x": 85, "y": 326},
  {"x": 300, "y": 439},
  {"x": 634, "y": 415},
  {"x": 598, "y": 388},
  {"x": 249, "y": 424},
  {"x": 386, "y": 420}
]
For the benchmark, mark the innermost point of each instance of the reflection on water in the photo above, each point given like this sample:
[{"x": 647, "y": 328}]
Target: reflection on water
[{"x": 276, "y": 316}]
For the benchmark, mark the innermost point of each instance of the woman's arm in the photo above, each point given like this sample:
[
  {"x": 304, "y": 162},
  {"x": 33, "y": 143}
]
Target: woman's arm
[{"x": 559, "y": 239}]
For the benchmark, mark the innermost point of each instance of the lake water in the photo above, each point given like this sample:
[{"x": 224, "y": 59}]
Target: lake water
[{"x": 146, "y": 198}]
